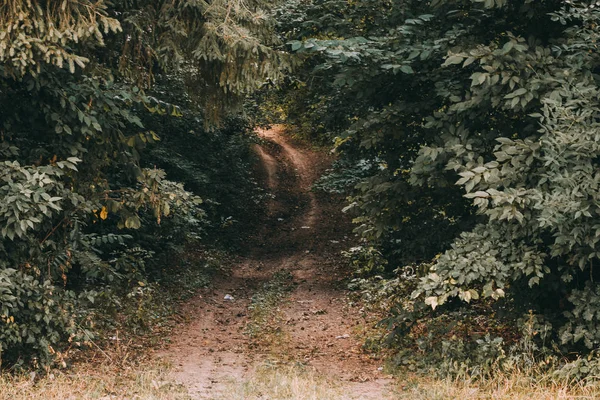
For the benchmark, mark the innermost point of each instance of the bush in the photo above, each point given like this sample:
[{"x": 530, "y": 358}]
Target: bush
[
  {"x": 481, "y": 117},
  {"x": 36, "y": 318}
]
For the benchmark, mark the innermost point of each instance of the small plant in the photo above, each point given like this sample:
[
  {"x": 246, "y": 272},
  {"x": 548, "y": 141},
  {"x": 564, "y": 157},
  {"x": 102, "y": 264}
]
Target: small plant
[{"x": 366, "y": 260}]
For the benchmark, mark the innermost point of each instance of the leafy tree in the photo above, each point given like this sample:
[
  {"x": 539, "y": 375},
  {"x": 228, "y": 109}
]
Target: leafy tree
[
  {"x": 76, "y": 90},
  {"x": 480, "y": 117}
]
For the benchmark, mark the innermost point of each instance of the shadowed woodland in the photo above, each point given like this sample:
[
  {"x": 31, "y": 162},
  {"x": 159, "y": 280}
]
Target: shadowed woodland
[{"x": 399, "y": 197}]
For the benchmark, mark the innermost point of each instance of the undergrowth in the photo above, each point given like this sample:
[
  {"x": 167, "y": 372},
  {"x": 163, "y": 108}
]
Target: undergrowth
[
  {"x": 471, "y": 346},
  {"x": 116, "y": 362}
]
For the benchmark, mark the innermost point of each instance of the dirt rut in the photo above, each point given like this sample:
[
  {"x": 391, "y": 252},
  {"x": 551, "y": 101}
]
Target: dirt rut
[{"x": 303, "y": 233}]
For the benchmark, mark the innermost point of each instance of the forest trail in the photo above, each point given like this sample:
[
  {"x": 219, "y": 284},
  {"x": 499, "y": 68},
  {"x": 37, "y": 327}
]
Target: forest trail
[{"x": 313, "y": 325}]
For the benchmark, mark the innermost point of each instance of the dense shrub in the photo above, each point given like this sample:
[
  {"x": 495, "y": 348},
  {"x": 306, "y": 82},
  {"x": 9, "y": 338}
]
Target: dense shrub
[
  {"x": 482, "y": 119},
  {"x": 84, "y": 215},
  {"x": 36, "y": 316}
]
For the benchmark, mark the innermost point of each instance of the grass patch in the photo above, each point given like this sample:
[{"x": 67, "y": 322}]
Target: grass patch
[
  {"x": 265, "y": 320},
  {"x": 94, "y": 380},
  {"x": 516, "y": 386},
  {"x": 279, "y": 382}
]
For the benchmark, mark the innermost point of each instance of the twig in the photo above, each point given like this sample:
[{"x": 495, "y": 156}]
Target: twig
[
  {"x": 94, "y": 343},
  {"x": 53, "y": 230}
]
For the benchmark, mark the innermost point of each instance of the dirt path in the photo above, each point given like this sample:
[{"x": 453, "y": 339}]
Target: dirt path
[{"x": 315, "y": 326}]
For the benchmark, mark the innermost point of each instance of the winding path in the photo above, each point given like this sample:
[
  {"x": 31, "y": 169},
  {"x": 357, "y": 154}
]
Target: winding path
[{"x": 304, "y": 234}]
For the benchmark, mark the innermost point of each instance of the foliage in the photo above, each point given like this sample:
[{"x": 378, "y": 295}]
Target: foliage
[
  {"x": 482, "y": 118},
  {"x": 366, "y": 261},
  {"x": 344, "y": 175},
  {"x": 85, "y": 216},
  {"x": 214, "y": 165},
  {"x": 34, "y": 316}
]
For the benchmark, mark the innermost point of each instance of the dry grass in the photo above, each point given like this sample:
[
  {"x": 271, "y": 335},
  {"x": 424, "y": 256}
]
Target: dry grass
[
  {"x": 518, "y": 386},
  {"x": 103, "y": 381},
  {"x": 297, "y": 383},
  {"x": 284, "y": 382}
]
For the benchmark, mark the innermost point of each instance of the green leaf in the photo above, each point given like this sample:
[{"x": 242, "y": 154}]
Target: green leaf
[
  {"x": 407, "y": 69},
  {"x": 518, "y": 92},
  {"x": 453, "y": 60}
]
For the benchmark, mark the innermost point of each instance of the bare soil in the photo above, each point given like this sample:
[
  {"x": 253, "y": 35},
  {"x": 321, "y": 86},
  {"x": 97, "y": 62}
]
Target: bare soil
[{"x": 303, "y": 232}]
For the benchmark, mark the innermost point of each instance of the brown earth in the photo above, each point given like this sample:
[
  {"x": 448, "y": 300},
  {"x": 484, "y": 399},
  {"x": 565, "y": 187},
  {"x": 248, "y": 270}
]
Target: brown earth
[{"x": 303, "y": 233}]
